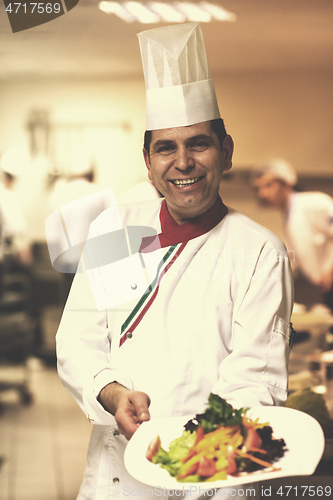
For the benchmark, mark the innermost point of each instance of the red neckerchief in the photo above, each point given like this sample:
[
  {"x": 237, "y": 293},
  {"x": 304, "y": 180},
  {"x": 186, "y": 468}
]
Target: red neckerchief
[{"x": 173, "y": 233}]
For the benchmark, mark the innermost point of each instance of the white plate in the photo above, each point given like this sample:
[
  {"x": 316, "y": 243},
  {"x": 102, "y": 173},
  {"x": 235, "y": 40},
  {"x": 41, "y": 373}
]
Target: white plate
[{"x": 302, "y": 434}]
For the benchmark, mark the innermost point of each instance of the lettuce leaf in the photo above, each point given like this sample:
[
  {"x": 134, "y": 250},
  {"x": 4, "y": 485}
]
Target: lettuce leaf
[
  {"x": 172, "y": 460},
  {"x": 219, "y": 413}
]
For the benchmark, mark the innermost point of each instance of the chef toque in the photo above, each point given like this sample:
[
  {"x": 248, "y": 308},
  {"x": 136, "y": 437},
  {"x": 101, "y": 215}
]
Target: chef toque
[
  {"x": 279, "y": 169},
  {"x": 180, "y": 90}
]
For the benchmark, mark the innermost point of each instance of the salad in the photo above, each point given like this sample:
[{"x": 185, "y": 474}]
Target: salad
[{"x": 221, "y": 441}]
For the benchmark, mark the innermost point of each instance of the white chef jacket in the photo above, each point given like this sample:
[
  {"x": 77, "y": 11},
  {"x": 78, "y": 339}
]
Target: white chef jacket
[
  {"x": 76, "y": 204},
  {"x": 216, "y": 320},
  {"x": 309, "y": 233}
]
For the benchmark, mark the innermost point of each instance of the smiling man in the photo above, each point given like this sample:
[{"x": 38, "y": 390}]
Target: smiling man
[
  {"x": 186, "y": 165},
  {"x": 213, "y": 314}
]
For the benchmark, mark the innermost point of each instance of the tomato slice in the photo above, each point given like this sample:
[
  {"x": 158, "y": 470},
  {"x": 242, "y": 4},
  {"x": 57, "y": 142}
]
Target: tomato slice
[
  {"x": 153, "y": 448},
  {"x": 232, "y": 465},
  {"x": 253, "y": 439},
  {"x": 206, "y": 467}
]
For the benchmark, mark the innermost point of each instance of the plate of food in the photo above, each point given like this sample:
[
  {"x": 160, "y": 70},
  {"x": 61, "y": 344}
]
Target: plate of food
[{"x": 224, "y": 447}]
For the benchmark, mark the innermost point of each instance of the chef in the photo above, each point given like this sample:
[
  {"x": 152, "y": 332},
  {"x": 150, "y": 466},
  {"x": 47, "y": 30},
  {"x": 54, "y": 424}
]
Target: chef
[
  {"x": 75, "y": 204},
  {"x": 14, "y": 240},
  {"x": 308, "y": 223},
  {"x": 202, "y": 306}
]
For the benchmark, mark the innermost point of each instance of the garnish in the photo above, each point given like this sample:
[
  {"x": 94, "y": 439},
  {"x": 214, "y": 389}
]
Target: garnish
[{"x": 221, "y": 441}]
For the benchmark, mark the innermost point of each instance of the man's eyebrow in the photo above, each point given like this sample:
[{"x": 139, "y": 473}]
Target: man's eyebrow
[
  {"x": 190, "y": 140},
  {"x": 200, "y": 137}
]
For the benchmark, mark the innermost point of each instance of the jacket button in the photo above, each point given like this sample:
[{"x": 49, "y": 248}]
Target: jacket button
[
  {"x": 134, "y": 286},
  {"x": 129, "y": 335},
  {"x": 116, "y": 433},
  {"x": 115, "y": 480}
]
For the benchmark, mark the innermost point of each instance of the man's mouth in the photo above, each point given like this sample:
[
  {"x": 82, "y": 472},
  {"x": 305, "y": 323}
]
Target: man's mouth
[{"x": 186, "y": 182}]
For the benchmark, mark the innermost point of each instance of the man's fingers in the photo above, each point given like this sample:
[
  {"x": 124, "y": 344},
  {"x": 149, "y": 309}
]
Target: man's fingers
[
  {"x": 128, "y": 429},
  {"x": 127, "y": 423},
  {"x": 140, "y": 402},
  {"x": 132, "y": 411}
]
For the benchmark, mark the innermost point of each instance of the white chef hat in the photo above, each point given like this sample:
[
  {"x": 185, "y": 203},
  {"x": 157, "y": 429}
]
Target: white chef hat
[
  {"x": 280, "y": 169},
  {"x": 180, "y": 90}
]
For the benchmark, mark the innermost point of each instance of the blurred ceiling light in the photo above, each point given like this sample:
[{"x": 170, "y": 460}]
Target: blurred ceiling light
[
  {"x": 155, "y": 12},
  {"x": 218, "y": 12},
  {"x": 142, "y": 13},
  {"x": 193, "y": 12},
  {"x": 117, "y": 9},
  {"x": 167, "y": 12}
]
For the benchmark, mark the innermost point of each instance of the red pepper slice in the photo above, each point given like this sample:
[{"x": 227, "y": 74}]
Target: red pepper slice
[
  {"x": 192, "y": 452},
  {"x": 200, "y": 435}
]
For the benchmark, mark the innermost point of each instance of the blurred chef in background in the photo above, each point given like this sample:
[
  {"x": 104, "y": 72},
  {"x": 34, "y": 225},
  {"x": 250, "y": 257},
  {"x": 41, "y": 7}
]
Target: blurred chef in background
[
  {"x": 79, "y": 182},
  {"x": 14, "y": 237},
  {"x": 308, "y": 223},
  {"x": 79, "y": 189}
]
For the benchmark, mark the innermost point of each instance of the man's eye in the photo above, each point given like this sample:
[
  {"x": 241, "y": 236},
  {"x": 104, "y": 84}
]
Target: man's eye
[
  {"x": 165, "y": 149},
  {"x": 199, "y": 146}
]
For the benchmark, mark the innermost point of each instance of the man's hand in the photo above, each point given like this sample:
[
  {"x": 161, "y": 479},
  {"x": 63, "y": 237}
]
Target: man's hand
[
  {"x": 131, "y": 412},
  {"x": 130, "y": 408}
]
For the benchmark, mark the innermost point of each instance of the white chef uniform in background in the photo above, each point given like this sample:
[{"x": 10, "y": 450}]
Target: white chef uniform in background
[
  {"x": 309, "y": 231},
  {"x": 308, "y": 223},
  {"x": 13, "y": 224}
]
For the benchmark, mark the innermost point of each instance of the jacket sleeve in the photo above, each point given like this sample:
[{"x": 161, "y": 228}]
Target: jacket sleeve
[
  {"x": 320, "y": 215},
  {"x": 256, "y": 370},
  {"x": 83, "y": 345}
]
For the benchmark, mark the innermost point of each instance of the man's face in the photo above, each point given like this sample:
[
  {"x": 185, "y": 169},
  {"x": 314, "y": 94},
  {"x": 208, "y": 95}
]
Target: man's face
[
  {"x": 186, "y": 165},
  {"x": 271, "y": 191}
]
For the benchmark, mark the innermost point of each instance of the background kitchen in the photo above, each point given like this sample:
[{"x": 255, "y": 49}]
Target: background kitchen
[{"x": 76, "y": 83}]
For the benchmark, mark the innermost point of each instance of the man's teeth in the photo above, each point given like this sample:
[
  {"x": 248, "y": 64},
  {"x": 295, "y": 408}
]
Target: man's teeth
[{"x": 185, "y": 182}]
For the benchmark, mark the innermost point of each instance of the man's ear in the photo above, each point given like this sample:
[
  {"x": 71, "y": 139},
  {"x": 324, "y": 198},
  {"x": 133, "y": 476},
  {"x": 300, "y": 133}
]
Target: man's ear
[
  {"x": 147, "y": 162},
  {"x": 227, "y": 152}
]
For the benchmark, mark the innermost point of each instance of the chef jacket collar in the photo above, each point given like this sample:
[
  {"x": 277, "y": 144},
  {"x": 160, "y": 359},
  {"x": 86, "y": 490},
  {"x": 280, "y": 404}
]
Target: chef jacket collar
[{"x": 173, "y": 233}]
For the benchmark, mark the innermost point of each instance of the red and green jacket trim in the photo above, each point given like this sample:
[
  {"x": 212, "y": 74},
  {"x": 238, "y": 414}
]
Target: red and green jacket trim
[{"x": 145, "y": 302}]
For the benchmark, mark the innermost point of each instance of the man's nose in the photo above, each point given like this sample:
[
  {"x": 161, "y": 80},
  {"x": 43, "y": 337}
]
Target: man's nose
[{"x": 184, "y": 159}]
